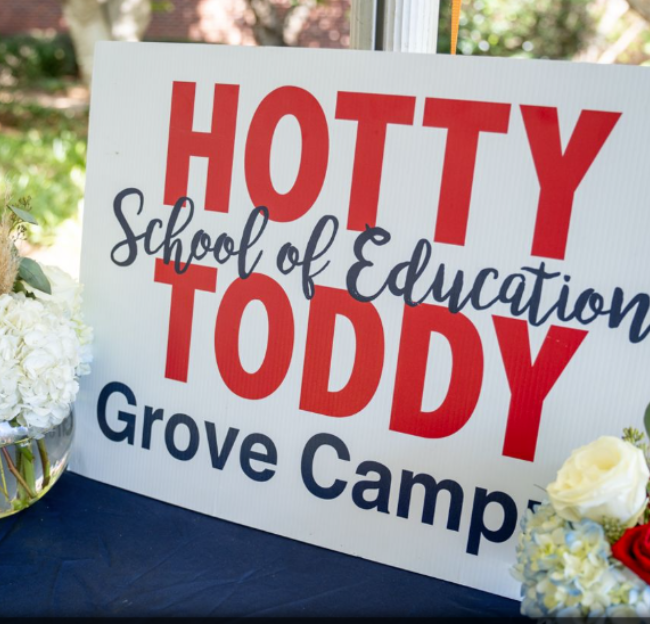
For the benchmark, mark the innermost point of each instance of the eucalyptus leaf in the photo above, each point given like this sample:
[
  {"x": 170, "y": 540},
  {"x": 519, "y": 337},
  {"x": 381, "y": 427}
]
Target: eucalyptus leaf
[
  {"x": 23, "y": 215},
  {"x": 31, "y": 272},
  {"x": 646, "y": 421}
]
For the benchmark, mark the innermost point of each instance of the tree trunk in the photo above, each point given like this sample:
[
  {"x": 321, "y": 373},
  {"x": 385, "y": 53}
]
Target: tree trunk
[
  {"x": 91, "y": 21},
  {"x": 267, "y": 27},
  {"x": 87, "y": 24},
  {"x": 279, "y": 27},
  {"x": 296, "y": 19},
  {"x": 129, "y": 19}
]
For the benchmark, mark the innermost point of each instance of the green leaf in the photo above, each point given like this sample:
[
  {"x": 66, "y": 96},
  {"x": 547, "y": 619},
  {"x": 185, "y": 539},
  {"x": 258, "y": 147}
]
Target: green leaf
[
  {"x": 23, "y": 215},
  {"x": 646, "y": 420},
  {"x": 31, "y": 272}
]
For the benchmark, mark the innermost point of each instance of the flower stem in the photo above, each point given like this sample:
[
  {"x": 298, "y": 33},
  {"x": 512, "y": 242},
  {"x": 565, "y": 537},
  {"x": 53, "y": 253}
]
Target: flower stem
[
  {"x": 16, "y": 474},
  {"x": 5, "y": 491},
  {"x": 45, "y": 460},
  {"x": 26, "y": 467}
]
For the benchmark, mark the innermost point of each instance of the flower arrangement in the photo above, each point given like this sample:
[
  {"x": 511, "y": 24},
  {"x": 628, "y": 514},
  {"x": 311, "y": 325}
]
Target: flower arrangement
[
  {"x": 44, "y": 348},
  {"x": 586, "y": 551}
]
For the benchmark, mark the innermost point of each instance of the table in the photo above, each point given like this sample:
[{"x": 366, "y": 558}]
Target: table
[{"x": 89, "y": 549}]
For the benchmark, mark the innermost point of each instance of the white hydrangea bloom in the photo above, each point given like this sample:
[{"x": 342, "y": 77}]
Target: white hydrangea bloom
[
  {"x": 44, "y": 347},
  {"x": 67, "y": 296}
]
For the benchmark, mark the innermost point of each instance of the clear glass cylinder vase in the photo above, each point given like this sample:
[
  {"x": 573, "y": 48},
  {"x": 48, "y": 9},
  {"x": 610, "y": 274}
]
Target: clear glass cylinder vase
[{"x": 31, "y": 462}]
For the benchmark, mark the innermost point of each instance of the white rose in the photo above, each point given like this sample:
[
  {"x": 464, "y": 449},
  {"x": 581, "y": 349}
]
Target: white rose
[
  {"x": 605, "y": 479},
  {"x": 66, "y": 291}
]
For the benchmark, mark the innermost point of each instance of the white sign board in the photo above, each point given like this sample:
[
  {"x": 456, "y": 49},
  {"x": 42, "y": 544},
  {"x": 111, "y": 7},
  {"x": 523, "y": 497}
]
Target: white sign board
[{"x": 259, "y": 227}]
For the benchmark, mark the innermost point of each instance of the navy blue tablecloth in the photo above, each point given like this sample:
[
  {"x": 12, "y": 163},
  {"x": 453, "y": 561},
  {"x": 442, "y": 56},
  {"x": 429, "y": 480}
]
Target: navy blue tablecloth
[{"x": 88, "y": 549}]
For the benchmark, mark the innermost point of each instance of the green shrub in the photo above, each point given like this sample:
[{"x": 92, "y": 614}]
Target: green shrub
[{"x": 31, "y": 58}]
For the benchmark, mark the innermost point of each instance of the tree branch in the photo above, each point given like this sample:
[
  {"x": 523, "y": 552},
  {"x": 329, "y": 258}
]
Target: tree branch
[
  {"x": 642, "y": 7},
  {"x": 279, "y": 26},
  {"x": 295, "y": 20},
  {"x": 623, "y": 42},
  {"x": 267, "y": 27}
]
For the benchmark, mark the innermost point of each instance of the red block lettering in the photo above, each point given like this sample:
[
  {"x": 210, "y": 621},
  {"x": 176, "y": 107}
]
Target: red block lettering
[
  {"x": 464, "y": 121},
  {"x": 530, "y": 382},
  {"x": 368, "y": 358},
  {"x": 373, "y": 112},
  {"x": 313, "y": 158},
  {"x": 466, "y": 376},
  {"x": 217, "y": 145},
  {"x": 559, "y": 173},
  {"x": 267, "y": 379},
  {"x": 181, "y": 313}
]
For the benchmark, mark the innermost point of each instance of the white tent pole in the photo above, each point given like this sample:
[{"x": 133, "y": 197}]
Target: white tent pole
[{"x": 394, "y": 25}]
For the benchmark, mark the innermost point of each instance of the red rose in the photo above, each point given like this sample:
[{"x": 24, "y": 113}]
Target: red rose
[{"x": 633, "y": 550}]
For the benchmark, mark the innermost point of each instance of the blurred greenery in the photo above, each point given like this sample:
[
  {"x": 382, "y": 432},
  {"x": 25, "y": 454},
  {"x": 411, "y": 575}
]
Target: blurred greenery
[
  {"x": 36, "y": 57},
  {"x": 42, "y": 148},
  {"x": 555, "y": 29},
  {"x": 43, "y": 155}
]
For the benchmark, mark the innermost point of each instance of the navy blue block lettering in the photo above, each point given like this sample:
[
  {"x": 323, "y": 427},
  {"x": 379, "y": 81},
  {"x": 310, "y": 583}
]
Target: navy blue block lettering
[
  {"x": 128, "y": 433},
  {"x": 150, "y": 416},
  {"x": 220, "y": 457},
  {"x": 431, "y": 491},
  {"x": 478, "y": 530},
  {"x": 381, "y": 486},
  {"x": 270, "y": 456},
  {"x": 175, "y": 421},
  {"x": 307, "y": 465}
]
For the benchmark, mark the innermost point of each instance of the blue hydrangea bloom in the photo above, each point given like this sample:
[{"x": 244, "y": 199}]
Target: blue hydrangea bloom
[{"x": 566, "y": 570}]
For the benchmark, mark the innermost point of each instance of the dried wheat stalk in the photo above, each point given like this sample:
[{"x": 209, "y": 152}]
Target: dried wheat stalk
[{"x": 9, "y": 260}]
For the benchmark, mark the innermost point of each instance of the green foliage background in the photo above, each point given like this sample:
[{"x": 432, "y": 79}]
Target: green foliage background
[
  {"x": 28, "y": 58},
  {"x": 555, "y": 29},
  {"x": 43, "y": 155},
  {"x": 43, "y": 149}
]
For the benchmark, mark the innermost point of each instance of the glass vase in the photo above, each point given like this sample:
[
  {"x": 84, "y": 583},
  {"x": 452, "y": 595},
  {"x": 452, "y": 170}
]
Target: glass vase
[{"x": 31, "y": 462}]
